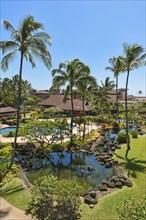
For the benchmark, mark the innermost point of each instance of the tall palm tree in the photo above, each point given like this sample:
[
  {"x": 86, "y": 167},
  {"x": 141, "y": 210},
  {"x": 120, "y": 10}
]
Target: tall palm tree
[
  {"x": 134, "y": 57},
  {"x": 68, "y": 74},
  {"x": 84, "y": 87},
  {"x": 103, "y": 92},
  {"x": 116, "y": 68},
  {"x": 28, "y": 40}
]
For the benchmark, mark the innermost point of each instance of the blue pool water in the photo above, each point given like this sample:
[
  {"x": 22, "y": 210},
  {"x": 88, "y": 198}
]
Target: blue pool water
[{"x": 7, "y": 130}]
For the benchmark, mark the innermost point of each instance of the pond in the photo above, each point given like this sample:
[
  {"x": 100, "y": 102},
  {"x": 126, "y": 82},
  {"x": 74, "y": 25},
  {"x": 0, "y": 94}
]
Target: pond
[
  {"x": 7, "y": 130},
  {"x": 64, "y": 165}
]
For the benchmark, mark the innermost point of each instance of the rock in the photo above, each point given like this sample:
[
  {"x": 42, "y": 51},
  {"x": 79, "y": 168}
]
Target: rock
[
  {"x": 111, "y": 185},
  {"x": 91, "y": 206},
  {"x": 128, "y": 183},
  {"x": 118, "y": 184},
  {"x": 102, "y": 187},
  {"x": 98, "y": 194},
  {"x": 88, "y": 200},
  {"x": 95, "y": 201},
  {"x": 90, "y": 168},
  {"x": 105, "y": 182},
  {"x": 92, "y": 194},
  {"x": 107, "y": 165}
]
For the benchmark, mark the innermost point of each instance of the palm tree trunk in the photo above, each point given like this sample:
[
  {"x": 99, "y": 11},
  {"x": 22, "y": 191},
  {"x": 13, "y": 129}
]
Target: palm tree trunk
[
  {"x": 17, "y": 117},
  {"x": 84, "y": 116},
  {"x": 126, "y": 112},
  {"x": 117, "y": 98},
  {"x": 72, "y": 116}
]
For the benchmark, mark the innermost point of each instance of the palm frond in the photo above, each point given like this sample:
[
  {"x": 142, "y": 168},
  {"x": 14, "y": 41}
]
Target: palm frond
[
  {"x": 6, "y": 59},
  {"x": 45, "y": 57},
  {"x": 7, "y": 45},
  {"x": 29, "y": 57},
  {"x": 44, "y": 37}
]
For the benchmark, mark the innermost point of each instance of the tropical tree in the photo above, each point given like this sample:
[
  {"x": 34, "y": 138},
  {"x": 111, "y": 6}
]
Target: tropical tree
[
  {"x": 84, "y": 88},
  {"x": 116, "y": 67},
  {"x": 134, "y": 57},
  {"x": 67, "y": 75},
  {"x": 9, "y": 91},
  {"x": 102, "y": 93},
  {"x": 27, "y": 40}
]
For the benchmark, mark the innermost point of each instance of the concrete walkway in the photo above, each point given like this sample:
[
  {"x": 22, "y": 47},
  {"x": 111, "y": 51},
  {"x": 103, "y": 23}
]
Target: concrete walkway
[{"x": 9, "y": 212}]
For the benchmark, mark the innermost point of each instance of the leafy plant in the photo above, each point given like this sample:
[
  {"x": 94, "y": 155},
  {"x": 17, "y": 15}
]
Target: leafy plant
[
  {"x": 134, "y": 133},
  {"x": 55, "y": 200},
  {"x": 131, "y": 209},
  {"x": 122, "y": 138}
]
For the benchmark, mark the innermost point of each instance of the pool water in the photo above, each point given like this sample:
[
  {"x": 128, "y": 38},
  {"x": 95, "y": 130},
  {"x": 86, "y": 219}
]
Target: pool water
[{"x": 7, "y": 130}]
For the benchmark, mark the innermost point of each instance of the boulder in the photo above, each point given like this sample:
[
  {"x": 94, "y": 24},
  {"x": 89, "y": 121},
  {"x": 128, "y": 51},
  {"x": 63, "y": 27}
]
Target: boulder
[
  {"x": 92, "y": 194},
  {"x": 91, "y": 206},
  {"x": 107, "y": 165},
  {"x": 88, "y": 200},
  {"x": 102, "y": 187},
  {"x": 128, "y": 183},
  {"x": 90, "y": 168},
  {"x": 111, "y": 185},
  {"x": 118, "y": 184}
]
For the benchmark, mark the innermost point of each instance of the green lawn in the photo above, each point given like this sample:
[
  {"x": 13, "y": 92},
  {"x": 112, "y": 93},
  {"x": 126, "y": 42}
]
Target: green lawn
[
  {"x": 15, "y": 194},
  {"x": 135, "y": 169}
]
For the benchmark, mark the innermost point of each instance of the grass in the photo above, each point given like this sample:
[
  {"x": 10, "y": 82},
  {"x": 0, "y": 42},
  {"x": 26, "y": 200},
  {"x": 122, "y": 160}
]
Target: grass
[
  {"x": 14, "y": 193},
  {"x": 135, "y": 169}
]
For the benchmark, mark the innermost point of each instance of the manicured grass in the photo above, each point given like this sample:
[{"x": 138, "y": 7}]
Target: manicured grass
[
  {"x": 14, "y": 193},
  {"x": 135, "y": 168}
]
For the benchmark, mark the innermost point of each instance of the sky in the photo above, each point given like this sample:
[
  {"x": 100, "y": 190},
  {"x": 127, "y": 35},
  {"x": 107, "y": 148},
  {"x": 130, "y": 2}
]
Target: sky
[{"x": 92, "y": 31}]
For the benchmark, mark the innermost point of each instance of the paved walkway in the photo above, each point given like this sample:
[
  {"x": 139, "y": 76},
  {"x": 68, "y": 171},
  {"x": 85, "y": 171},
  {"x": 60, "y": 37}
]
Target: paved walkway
[{"x": 9, "y": 212}]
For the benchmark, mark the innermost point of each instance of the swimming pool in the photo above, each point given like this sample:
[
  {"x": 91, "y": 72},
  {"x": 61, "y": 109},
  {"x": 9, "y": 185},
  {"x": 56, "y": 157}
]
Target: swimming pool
[{"x": 7, "y": 130}]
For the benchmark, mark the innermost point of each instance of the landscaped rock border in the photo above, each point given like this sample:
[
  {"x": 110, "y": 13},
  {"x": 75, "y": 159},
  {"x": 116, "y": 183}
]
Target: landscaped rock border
[{"x": 104, "y": 155}]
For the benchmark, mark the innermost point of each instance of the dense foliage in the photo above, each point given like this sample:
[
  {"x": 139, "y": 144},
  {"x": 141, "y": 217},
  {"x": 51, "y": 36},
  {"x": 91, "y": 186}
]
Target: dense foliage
[
  {"x": 131, "y": 209},
  {"x": 55, "y": 200}
]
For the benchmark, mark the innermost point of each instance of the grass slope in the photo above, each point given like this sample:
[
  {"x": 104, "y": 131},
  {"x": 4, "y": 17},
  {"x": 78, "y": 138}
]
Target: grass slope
[
  {"x": 15, "y": 194},
  {"x": 135, "y": 169}
]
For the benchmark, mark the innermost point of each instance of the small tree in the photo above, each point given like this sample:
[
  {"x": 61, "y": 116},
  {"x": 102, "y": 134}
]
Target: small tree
[{"x": 55, "y": 200}]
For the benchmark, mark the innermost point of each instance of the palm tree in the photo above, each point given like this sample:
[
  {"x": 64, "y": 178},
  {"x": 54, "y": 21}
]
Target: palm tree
[
  {"x": 28, "y": 40},
  {"x": 116, "y": 67},
  {"x": 134, "y": 57},
  {"x": 84, "y": 87},
  {"x": 68, "y": 74}
]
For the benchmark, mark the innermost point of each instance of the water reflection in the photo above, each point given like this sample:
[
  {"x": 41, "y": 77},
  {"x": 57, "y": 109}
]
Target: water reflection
[{"x": 67, "y": 165}]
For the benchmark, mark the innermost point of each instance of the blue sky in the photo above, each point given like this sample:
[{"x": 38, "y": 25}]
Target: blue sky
[{"x": 92, "y": 31}]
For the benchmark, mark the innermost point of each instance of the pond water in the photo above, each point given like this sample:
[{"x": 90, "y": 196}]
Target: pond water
[
  {"x": 7, "y": 130},
  {"x": 65, "y": 165}
]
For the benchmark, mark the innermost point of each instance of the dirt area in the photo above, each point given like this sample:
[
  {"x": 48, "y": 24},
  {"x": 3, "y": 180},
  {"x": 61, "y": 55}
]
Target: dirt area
[{"x": 9, "y": 212}]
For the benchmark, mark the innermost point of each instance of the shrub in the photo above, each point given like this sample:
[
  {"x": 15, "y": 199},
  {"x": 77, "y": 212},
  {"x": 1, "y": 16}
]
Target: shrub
[
  {"x": 121, "y": 138},
  {"x": 115, "y": 126},
  {"x": 134, "y": 134},
  {"x": 131, "y": 209}
]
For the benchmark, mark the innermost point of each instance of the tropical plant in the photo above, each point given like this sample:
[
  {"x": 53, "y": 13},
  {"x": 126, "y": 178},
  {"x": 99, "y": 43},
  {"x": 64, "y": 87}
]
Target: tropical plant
[
  {"x": 68, "y": 75},
  {"x": 9, "y": 91},
  {"x": 55, "y": 200},
  {"x": 131, "y": 209},
  {"x": 28, "y": 40},
  {"x": 84, "y": 89},
  {"x": 102, "y": 97},
  {"x": 116, "y": 67},
  {"x": 134, "y": 57}
]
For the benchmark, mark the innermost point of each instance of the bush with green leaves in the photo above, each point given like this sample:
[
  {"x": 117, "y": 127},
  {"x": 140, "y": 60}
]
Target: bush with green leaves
[
  {"x": 55, "y": 200},
  {"x": 132, "y": 209},
  {"x": 5, "y": 155},
  {"x": 121, "y": 138},
  {"x": 134, "y": 133}
]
